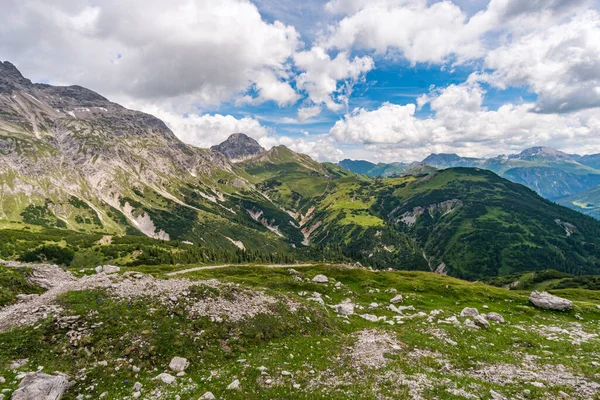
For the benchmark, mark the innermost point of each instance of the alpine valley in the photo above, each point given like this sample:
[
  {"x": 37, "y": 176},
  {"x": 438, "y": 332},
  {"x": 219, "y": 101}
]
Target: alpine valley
[{"x": 85, "y": 181}]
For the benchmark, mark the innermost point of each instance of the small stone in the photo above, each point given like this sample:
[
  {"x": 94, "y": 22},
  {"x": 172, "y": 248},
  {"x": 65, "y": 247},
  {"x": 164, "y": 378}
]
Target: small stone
[
  {"x": 99, "y": 269},
  {"x": 396, "y": 299},
  {"x": 235, "y": 385},
  {"x": 207, "y": 396},
  {"x": 286, "y": 373},
  {"x": 485, "y": 307},
  {"x": 481, "y": 321},
  {"x": 338, "y": 284},
  {"x": 178, "y": 364},
  {"x": 469, "y": 312},
  {"x": 496, "y": 396},
  {"x": 296, "y": 386},
  {"x": 137, "y": 387},
  {"x": 110, "y": 269},
  {"x": 181, "y": 373},
  {"x": 370, "y": 317},
  {"x": 316, "y": 299},
  {"x": 373, "y": 305},
  {"x": 344, "y": 308},
  {"x": 262, "y": 368},
  {"x": 492, "y": 316},
  {"x": 103, "y": 395},
  {"x": 292, "y": 271},
  {"x": 538, "y": 384},
  {"x": 136, "y": 395},
  {"x": 320, "y": 279},
  {"x": 165, "y": 378}
]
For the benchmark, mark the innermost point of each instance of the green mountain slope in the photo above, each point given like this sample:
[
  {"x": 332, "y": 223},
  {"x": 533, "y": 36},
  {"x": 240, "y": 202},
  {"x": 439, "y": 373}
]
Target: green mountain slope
[
  {"x": 85, "y": 181},
  {"x": 549, "y": 172}
]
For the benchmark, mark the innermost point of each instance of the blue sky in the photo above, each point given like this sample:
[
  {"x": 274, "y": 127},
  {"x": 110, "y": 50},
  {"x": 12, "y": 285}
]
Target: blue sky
[{"x": 384, "y": 80}]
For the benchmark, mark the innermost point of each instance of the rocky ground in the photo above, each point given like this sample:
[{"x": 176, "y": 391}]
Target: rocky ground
[{"x": 307, "y": 331}]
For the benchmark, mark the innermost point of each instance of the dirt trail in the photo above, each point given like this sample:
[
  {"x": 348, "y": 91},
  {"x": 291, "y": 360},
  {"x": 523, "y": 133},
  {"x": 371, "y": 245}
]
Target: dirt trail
[{"x": 185, "y": 271}]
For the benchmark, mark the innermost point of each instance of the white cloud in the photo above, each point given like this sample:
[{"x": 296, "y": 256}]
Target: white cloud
[
  {"x": 461, "y": 125},
  {"x": 207, "y": 130},
  {"x": 322, "y": 73},
  {"x": 319, "y": 147},
  {"x": 308, "y": 112},
  {"x": 203, "y": 52},
  {"x": 435, "y": 32},
  {"x": 560, "y": 63}
]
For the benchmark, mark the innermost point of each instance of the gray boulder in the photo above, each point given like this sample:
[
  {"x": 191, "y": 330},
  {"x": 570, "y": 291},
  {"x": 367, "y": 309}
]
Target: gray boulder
[
  {"x": 469, "y": 312},
  {"x": 320, "y": 279},
  {"x": 481, "y": 322},
  {"x": 38, "y": 386},
  {"x": 547, "y": 301},
  {"x": 493, "y": 316}
]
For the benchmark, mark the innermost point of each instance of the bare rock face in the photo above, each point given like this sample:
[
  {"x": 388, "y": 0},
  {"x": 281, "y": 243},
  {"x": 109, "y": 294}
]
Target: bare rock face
[
  {"x": 38, "y": 386},
  {"x": 239, "y": 147},
  {"x": 547, "y": 301}
]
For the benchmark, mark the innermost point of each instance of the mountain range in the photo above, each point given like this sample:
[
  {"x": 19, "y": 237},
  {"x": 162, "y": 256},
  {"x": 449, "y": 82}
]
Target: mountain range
[
  {"x": 74, "y": 162},
  {"x": 569, "y": 179}
]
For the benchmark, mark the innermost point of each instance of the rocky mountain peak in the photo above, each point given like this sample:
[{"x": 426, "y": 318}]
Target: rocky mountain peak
[
  {"x": 542, "y": 152},
  {"x": 239, "y": 147},
  {"x": 10, "y": 76}
]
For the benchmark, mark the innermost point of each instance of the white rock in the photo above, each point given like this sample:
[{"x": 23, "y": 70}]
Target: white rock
[
  {"x": 373, "y": 305},
  {"x": 370, "y": 317},
  {"x": 469, "y": 312},
  {"x": 178, "y": 364},
  {"x": 481, "y": 321},
  {"x": 103, "y": 395},
  {"x": 496, "y": 396},
  {"x": 396, "y": 299},
  {"x": 538, "y": 384},
  {"x": 235, "y": 385},
  {"x": 296, "y": 386},
  {"x": 286, "y": 373},
  {"x": 338, "y": 284},
  {"x": 316, "y": 299},
  {"x": 207, "y": 396},
  {"x": 493, "y": 316},
  {"x": 137, "y": 387},
  {"x": 164, "y": 378},
  {"x": 320, "y": 279},
  {"x": 292, "y": 271},
  {"x": 262, "y": 368},
  {"x": 40, "y": 386},
  {"x": 546, "y": 301},
  {"x": 344, "y": 308},
  {"x": 110, "y": 269},
  {"x": 99, "y": 269}
]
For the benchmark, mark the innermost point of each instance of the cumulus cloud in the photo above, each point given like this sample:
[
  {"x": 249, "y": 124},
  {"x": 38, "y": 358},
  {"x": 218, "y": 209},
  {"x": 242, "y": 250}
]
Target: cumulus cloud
[
  {"x": 305, "y": 113},
  {"x": 459, "y": 124},
  {"x": 322, "y": 73},
  {"x": 207, "y": 130},
  {"x": 560, "y": 63},
  {"x": 203, "y": 51},
  {"x": 434, "y": 32},
  {"x": 319, "y": 147}
]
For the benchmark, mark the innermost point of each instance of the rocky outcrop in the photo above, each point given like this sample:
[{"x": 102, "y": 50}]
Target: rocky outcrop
[{"x": 547, "y": 301}]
